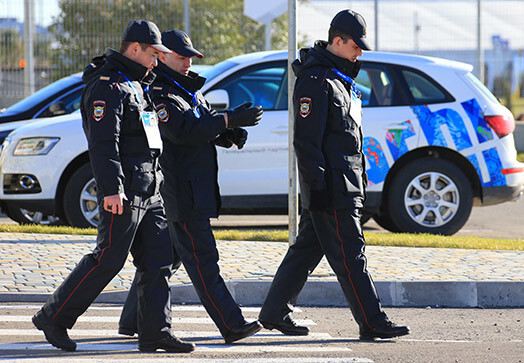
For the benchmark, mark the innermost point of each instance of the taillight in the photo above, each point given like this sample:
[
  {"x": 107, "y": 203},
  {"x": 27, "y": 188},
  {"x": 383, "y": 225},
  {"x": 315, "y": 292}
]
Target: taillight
[{"x": 501, "y": 124}]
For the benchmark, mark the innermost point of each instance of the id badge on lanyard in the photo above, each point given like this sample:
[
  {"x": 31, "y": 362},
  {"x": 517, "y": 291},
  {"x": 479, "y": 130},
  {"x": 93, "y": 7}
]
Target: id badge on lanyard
[
  {"x": 355, "y": 110},
  {"x": 150, "y": 123}
]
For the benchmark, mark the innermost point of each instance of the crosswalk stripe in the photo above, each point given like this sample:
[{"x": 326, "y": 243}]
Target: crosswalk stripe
[
  {"x": 119, "y": 308},
  {"x": 115, "y": 319},
  {"x": 180, "y": 334},
  {"x": 202, "y": 348},
  {"x": 199, "y": 360}
]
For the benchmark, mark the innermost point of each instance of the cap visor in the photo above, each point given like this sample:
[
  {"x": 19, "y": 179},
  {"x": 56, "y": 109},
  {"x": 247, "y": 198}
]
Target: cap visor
[
  {"x": 363, "y": 43},
  {"x": 190, "y": 52},
  {"x": 161, "y": 48}
]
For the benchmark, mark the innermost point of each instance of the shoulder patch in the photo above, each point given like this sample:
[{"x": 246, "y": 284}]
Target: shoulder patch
[
  {"x": 305, "y": 106},
  {"x": 162, "y": 112},
  {"x": 105, "y": 78},
  {"x": 99, "y": 109}
]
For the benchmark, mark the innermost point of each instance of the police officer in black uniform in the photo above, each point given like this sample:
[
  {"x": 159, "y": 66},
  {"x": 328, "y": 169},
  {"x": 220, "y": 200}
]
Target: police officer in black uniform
[
  {"x": 124, "y": 145},
  {"x": 190, "y": 130},
  {"x": 328, "y": 143}
]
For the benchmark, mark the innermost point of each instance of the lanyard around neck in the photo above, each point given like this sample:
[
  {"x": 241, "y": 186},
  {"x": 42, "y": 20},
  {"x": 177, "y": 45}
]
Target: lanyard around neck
[
  {"x": 133, "y": 87},
  {"x": 192, "y": 95},
  {"x": 348, "y": 79}
]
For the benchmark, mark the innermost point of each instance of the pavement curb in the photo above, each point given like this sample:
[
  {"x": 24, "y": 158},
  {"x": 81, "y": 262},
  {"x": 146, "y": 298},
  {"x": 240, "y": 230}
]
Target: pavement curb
[{"x": 452, "y": 294}]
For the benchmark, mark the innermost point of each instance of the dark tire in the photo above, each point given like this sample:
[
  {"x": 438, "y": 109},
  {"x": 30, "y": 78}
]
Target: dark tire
[
  {"x": 80, "y": 203},
  {"x": 384, "y": 221},
  {"x": 430, "y": 196},
  {"x": 24, "y": 216}
]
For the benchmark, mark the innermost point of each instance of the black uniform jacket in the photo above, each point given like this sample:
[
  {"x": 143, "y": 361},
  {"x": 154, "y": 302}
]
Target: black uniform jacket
[
  {"x": 189, "y": 159},
  {"x": 111, "y": 105},
  {"x": 328, "y": 141}
]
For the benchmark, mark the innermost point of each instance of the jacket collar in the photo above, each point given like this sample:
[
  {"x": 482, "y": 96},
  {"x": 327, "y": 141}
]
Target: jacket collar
[
  {"x": 345, "y": 66},
  {"x": 192, "y": 82}
]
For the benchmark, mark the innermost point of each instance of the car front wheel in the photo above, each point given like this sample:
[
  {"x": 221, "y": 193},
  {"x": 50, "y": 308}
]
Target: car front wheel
[
  {"x": 24, "y": 216},
  {"x": 80, "y": 203},
  {"x": 430, "y": 196}
]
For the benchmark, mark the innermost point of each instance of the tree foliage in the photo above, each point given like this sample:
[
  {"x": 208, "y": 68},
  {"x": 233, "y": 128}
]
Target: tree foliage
[{"x": 218, "y": 28}]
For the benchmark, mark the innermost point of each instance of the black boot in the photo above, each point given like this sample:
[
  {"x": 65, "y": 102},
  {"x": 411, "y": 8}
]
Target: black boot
[
  {"x": 287, "y": 326},
  {"x": 241, "y": 331},
  {"x": 54, "y": 334},
  {"x": 385, "y": 331},
  {"x": 169, "y": 343}
]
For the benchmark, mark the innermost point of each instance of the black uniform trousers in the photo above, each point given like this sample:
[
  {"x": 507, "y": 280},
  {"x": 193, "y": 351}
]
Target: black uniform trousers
[
  {"x": 195, "y": 243},
  {"x": 196, "y": 246},
  {"x": 337, "y": 234},
  {"x": 142, "y": 229}
]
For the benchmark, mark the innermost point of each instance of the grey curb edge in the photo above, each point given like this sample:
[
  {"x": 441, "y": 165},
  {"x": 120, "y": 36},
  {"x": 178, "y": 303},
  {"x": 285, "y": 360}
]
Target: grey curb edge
[{"x": 453, "y": 294}]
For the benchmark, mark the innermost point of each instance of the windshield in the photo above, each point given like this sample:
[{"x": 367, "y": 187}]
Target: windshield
[
  {"x": 482, "y": 88},
  {"x": 217, "y": 69},
  {"x": 41, "y": 95}
]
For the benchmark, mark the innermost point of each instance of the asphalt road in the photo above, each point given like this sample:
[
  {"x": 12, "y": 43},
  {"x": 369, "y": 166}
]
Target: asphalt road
[
  {"x": 438, "y": 335},
  {"x": 499, "y": 221}
]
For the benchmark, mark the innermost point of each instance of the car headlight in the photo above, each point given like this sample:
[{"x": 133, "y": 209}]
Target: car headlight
[{"x": 35, "y": 146}]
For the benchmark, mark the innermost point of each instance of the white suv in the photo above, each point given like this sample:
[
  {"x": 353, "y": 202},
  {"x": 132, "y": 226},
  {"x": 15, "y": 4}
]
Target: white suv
[{"x": 436, "y": 141}]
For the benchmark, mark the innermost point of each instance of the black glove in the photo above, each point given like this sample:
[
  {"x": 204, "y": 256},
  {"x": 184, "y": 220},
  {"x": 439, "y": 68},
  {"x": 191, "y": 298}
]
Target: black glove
[
  {"x": 222, "y": 140},
  {"x": 238, "y": 137},
  {"x": 319, "y": 200},
  {"x": 244, "y": 115}
]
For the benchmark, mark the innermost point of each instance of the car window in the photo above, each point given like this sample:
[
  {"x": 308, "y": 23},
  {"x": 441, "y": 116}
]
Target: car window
[
  {"x": 69, "y": 103},
  {"x": 42, "y": 94},
  {"x": 422, "y": 89},
  {"x": 264, "y": 85},
  {"x": 376, "y": 86}
]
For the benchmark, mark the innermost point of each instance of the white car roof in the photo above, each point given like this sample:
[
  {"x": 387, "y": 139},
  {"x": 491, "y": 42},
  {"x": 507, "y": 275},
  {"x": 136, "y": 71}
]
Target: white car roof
[{"x": 414, "y": 61}]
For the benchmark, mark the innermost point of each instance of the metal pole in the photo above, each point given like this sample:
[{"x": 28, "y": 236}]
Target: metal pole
[
  {"x": 293, "y": 189},
  {"x": 480, "y": 51},
  {"x": 29, "y": 70},
  {"x": 376, "y": 25},
  {"x": 268, "y": 35},
  {"x": 417, "y": 31},
  {"x": 186, "y": 17}
]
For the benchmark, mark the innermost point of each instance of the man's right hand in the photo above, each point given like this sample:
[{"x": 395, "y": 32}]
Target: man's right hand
[
  {"x": 244, "y": 116},
  {"x": 115, "y": 203}
]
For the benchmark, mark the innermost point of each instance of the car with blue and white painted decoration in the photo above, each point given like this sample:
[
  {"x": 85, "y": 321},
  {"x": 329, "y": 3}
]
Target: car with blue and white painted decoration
[{"x": 436, "y": 142}]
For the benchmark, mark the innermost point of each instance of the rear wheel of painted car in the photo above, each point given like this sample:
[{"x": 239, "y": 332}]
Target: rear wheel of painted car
[
  {"x": 24, "y": 216},
  {"x": 430, "y": 196},
  {"x": 80, "y": 203}
]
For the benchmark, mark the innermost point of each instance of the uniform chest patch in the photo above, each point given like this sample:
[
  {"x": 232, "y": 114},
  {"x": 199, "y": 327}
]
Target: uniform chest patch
[
  {"x": 162, "y": 113},
  {"x": 99, "y": 110},
  {"x": 305, "y": 106}
]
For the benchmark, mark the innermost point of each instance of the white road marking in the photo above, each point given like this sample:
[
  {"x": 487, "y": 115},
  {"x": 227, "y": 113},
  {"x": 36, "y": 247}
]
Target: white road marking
[
  {"x": 264, "y": 334},
  {"x": 203, "y": 348},
  {"x": 115, "y": 319},
  {"x": 200, "y": 360},
  {"x": 119, "y": 308}
]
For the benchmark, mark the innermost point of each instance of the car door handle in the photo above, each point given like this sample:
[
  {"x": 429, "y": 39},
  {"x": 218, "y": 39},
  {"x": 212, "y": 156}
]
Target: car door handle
[
  {"x": 280, "y": 130},
  {"x": 397, "y": 126}
]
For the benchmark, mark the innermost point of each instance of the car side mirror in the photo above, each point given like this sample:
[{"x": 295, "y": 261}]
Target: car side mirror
[
  {"x": 57, "y": 108},
  {"x": 218, "y": 99}
]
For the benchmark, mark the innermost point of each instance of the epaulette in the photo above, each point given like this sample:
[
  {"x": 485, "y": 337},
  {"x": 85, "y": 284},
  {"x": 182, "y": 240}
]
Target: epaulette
[{"x": 105, "y": 78}]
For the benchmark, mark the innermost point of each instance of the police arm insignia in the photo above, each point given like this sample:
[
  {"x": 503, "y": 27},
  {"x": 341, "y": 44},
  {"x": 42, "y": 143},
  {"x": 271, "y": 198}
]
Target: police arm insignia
[
  {"x": 305, "y": 106},
  {"x": 162, "y": 112},
  {"x": 99, "y": 109}
]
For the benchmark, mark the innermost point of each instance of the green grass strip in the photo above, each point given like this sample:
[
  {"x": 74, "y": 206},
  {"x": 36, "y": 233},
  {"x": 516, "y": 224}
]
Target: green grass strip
[{"x": 372, "y": 238}]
